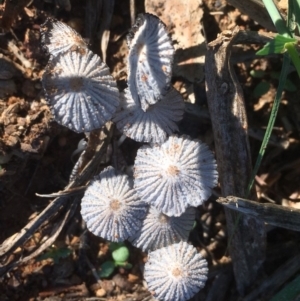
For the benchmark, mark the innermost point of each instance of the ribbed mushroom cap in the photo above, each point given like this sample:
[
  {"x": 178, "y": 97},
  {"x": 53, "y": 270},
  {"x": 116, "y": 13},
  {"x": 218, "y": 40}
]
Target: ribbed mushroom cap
[
  {"x": 159, "y": 230},
  {"x": 80, "y": 91},
  {"x": 111, "y": 208},
  {"x": 57, "y": 37},
  {"x": 150, "y": 60},
  {"x": 176, "y": 272},
  {"x": 175, "y": 175},
  {"x": 154, "y": 124}
]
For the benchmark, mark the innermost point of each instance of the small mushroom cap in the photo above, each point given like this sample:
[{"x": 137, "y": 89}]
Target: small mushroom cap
[
  {"x": 154, "y": 124},
  {"x": 57, "y": 37},
  {"x": 111, "y": 208},
  {"x": 176, "y": 272},
  {"x": 159, "y": 230},
  {"x": 150, "y": 60},
  {"x": 175, "y": 175},
  {"x": 80, "y": 91}
]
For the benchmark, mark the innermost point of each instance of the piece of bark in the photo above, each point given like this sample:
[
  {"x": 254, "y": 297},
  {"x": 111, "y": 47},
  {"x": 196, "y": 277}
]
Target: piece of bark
[{"x": 247, "y": 237}]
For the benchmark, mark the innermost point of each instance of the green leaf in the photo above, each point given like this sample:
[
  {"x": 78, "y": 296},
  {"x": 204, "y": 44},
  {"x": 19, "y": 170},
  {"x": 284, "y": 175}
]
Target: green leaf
[
  {"x": 261, "y": 89},
  {"x": 121, "y": 254},
  {"x": 277, "y": 45},
  {"x": 124, "y": 265},
  {"x": 289, "y": 292},
  {"x": 107, "y": 268},
  {"x": 257, "y": 73},
  {"x": 292, "y": 51},
  {"x": 55, "y": 254}
]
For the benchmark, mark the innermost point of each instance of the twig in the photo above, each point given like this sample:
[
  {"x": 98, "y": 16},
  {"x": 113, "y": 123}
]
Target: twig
[
  {"x": 276, "y": 215},
  {"x": 67, "y": 192}
]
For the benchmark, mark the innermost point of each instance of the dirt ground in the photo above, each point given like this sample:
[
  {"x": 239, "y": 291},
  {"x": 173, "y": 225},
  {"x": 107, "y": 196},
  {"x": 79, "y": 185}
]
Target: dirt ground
[{"x": 37, "y": 155}]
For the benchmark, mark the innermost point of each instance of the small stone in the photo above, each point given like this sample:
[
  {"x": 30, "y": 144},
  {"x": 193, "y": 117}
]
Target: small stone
[{"x": 100, "y": 292}]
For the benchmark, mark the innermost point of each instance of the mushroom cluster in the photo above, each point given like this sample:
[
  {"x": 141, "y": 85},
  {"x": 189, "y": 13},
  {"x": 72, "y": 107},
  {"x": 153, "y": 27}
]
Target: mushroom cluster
[
  {"x": 155, "y": 210},
  {"x": 79, "y": 89}
]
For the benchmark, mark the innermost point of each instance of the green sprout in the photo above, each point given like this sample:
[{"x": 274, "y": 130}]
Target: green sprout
[
  {"x": 120, "y": 255},
  {"x": 281, "y": 44}
]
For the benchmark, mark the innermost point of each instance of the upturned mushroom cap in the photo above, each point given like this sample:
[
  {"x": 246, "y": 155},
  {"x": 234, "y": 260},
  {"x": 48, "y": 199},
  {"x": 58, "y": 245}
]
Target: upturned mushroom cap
[
  {"x": 176, "y": 272},
  {"x": 159, "y": 230},
  {"x": 111, "y": 208},
  {"x": 80, "y": 91},
  {"x": 150, "y": 60},
  {"x": 175, "y": 175},
  {"x": 57, "y": 37},
  {"x": 154, "y": 124}
]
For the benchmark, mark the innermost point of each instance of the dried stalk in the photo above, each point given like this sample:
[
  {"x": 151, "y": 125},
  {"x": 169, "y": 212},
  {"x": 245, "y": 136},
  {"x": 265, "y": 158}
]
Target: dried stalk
[
  {"x": 276, "y": 215},
  {"x": 229, "y": 122}
]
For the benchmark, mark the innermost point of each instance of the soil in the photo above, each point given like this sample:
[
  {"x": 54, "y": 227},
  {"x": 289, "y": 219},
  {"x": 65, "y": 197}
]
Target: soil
[{"x": 37, "y": 155}]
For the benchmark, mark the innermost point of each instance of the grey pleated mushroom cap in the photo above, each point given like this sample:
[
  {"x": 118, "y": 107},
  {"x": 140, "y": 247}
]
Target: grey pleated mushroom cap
[
  {"x": 57, "y": 37},
  {"x": 150, "y": 60},
  {"x": 176, "y": 272},
  {"x": 154, "y": 124},
  {"x": 80, "y": 91},
  {"x": 111, "y": 208},
  {"x": 175, "y": 175},
  {"x": 159, "y": 230}
]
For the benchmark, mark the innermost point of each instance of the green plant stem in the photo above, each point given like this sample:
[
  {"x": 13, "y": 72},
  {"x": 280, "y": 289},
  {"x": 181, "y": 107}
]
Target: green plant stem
[
  {"x": 282, "y": 79},
  {"x": 276, "y": 18},
  {"x": 291, "y": 49}
]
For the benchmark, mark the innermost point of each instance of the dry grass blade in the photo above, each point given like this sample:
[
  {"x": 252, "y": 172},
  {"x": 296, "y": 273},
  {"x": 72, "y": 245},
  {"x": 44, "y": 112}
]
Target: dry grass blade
[
  {"x": 92, "y": 16},
  {"x": 104, "y": 33}
]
